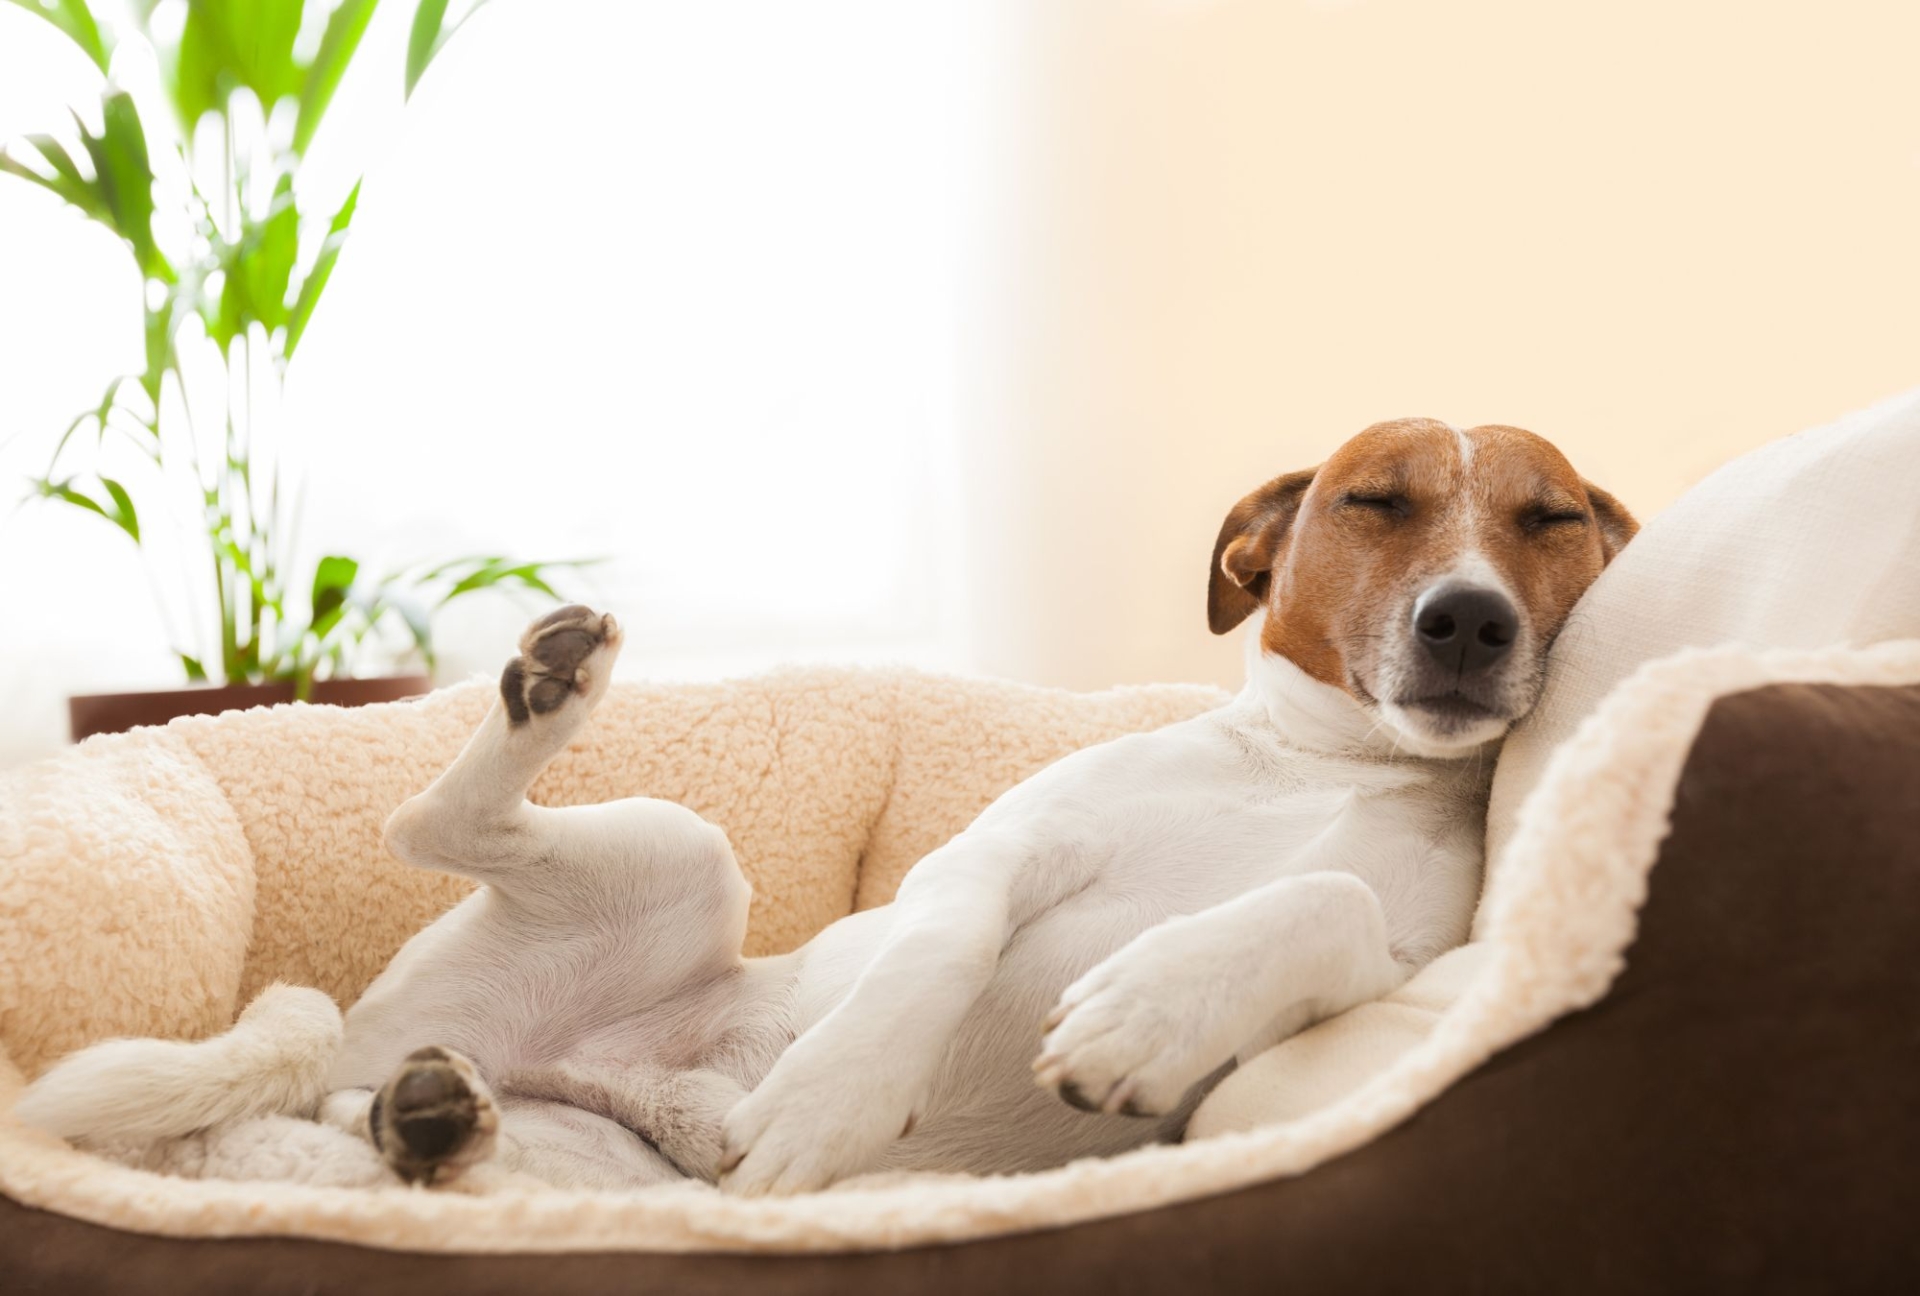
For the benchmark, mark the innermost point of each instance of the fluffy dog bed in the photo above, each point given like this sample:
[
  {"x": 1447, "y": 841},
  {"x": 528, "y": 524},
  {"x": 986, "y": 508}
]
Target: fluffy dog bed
[
  {"x": 157, "y": 880},
  {"x": 1735, "y": 1113}
]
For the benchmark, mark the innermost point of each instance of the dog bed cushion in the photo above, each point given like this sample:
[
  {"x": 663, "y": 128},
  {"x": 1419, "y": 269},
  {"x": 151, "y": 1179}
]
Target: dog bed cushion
[
  {"x": 152, "y": 882},
  {"x": 1810, "y": 540},
  {"x": 1735, "y": 1116}
]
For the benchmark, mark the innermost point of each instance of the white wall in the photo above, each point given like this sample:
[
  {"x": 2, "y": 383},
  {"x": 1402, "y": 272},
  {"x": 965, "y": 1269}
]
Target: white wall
[
  {"x": 675, "y": 285},
  {"x": 947, "y": 331},
  {"x": 1656, "y": 233}
]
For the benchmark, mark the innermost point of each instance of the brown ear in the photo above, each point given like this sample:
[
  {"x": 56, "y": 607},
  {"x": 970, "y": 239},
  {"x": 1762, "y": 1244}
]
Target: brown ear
[
  {"x": 1616, "y": 524},
  {"x": 1249, "y": 547}
]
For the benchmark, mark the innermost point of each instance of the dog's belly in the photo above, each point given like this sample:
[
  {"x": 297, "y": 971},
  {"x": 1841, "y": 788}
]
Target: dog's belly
[
  {"x": 985, "y": 1113},
  {"x": 503, "y": 995}
]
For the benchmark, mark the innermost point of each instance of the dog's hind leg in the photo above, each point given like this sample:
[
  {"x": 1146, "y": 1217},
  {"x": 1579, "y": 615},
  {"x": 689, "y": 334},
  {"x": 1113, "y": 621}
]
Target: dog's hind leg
[
  {"x": 568, "y": 1147},
  {"x": 679, "y": 1113},
  {"x": 433, "y": 1119},
  {"x": 437, "y": 1123},
  {"x": 633, "y": 862},
  {"x": 621, "y": 861},
  {"x": 588, "y": 914},
  {"x": 475, "y": 820}
]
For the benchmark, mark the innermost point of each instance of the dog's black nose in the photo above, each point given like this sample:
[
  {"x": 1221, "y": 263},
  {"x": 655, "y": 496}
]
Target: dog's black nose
[{"x": 1464, "y": 627}]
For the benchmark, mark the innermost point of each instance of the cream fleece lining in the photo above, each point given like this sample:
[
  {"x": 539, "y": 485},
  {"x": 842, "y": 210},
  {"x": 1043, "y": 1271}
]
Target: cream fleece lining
[{"x": 898, "y": 759}]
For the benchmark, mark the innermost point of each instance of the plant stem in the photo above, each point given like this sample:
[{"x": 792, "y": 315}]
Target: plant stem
[
  {"x": 199, "y": 481},
  {"x": 221, "y": 505},
  {"x": 255, "y": 613}
]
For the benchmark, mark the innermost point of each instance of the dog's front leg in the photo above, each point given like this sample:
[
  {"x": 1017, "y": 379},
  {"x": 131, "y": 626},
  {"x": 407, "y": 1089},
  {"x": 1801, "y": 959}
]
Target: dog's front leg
[
  {"x": 848, "y": 1087},
  {"x": 1171, "y": 1006}
]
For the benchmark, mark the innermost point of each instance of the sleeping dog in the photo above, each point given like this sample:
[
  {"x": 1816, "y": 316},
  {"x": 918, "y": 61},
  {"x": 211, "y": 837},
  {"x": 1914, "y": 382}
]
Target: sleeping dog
[{"x": 1120, "y": 928}]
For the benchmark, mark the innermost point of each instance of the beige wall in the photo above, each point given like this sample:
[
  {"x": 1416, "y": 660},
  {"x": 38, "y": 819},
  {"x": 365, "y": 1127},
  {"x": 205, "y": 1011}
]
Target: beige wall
[{"x": 1657, "y": 233}]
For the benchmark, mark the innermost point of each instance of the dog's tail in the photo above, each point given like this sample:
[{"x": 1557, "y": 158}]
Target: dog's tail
[{"x": 275, "y": 1059}]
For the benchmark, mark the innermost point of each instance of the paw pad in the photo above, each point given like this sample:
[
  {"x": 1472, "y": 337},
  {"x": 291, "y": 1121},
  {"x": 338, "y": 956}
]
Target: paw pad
[
  {"x": 547, "y": 672},
  {"x": 433, "y": 1118}
]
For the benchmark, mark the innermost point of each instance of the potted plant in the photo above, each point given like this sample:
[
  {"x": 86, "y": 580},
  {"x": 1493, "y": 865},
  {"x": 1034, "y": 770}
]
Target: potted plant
[{"x": 234, "y": 254}]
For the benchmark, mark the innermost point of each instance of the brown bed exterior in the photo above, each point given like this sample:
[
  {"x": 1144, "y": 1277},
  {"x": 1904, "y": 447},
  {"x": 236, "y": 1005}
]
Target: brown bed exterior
[{"x": 1740, "y": 1114}]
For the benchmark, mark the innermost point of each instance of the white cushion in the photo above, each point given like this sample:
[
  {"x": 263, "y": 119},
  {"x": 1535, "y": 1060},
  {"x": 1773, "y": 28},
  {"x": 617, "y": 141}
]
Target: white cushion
[
  {"x": 1810, "y": 541},
  {"x": 1330, "y": 1061}
]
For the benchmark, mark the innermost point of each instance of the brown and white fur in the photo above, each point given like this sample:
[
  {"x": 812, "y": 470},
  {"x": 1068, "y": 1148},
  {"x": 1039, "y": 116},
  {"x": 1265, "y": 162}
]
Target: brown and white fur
[{"x": 1121, "y": 927}]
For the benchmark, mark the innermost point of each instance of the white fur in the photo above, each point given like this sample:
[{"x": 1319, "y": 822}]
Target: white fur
[
  {"x": 1517, "y": 687},
  {"x": 275, "y": 1059},
  {"x": 1175, "y": 898},
  {"x": 1466, "y": 446}
]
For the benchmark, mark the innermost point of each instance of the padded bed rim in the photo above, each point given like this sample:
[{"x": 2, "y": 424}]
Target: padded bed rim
[{"x": 1560, "y": 914}]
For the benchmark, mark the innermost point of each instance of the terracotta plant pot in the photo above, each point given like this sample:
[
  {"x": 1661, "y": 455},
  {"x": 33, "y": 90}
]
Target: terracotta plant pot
[{"x": 98, "y": 713}]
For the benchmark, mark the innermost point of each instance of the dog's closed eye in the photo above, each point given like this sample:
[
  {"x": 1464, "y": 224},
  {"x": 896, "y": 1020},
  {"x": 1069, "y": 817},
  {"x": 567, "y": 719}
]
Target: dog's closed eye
[
  {"x": 1545, "y": 517},
  {"x": 1387, "y": 503}
]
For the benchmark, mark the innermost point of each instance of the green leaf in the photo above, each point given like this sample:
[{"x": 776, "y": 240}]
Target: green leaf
[
  {"x": 15, "y": 167},
  {"x": 96, "y": 415},
  {"x": 223, "y": 545},
  {"x": 72, "y": 185},
  {"x": 66, "y": 183},
  {"x": 160, "y": 326},
  {"x": 430, "y": 34},
  {"x": 257, "y": 268},
  {"x": 59, "y": 447},
  {"x": 529, "y": 576},
  {"x": 316, "y": 281},
  {"x": 120, "y": 513},
  {"x": 65, "y": 492},
  {"x": 107, "y": 398},
  {"x": 345, "y": 26},
  {"x": 119, "y": 194},
  {"x": 227, "y": 44},
  {"x": 195, "y": 671},
  {"x": 332, "y": 580},
  {"x": 481, "y": 577},
  {"x": 494, "y": 572},
  {"x": 424, "y": 41},
  {"x": 441, "y": 569},
  {"x": 123, "y": 180},
  {"x": 123, "y": 515},
  {"x": 270, "y": 267},
  {"x": 76, "y": 20}
]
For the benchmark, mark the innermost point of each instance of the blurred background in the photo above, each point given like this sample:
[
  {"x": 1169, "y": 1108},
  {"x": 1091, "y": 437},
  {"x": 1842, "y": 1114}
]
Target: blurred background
[{"x": 946, "y": 332}]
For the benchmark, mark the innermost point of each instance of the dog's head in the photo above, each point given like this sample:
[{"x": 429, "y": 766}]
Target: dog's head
[{"x": 1423, "y": 570}]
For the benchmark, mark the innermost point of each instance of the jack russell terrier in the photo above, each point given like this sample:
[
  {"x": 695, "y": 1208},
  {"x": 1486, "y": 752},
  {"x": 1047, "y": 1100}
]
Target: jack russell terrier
[{"x": 1119, "y": 928}]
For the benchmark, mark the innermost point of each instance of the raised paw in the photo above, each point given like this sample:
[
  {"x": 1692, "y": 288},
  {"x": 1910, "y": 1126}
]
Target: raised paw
[
  {"x": 566, "y": 654},
  {"x": 434, "y": 1118}
]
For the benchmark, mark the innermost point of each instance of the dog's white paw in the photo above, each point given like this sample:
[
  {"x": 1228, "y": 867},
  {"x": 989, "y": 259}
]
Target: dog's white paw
[
  {"x": 1131, "y": 1037},
  {"x": 565, "y": 656},
  {"x": 817, "y": 1118}
]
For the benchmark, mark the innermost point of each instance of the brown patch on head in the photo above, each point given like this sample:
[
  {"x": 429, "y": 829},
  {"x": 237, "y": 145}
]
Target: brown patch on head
[
  {"x": 1338, "y": 555},
  {"x": 1546, "y": 530}
]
